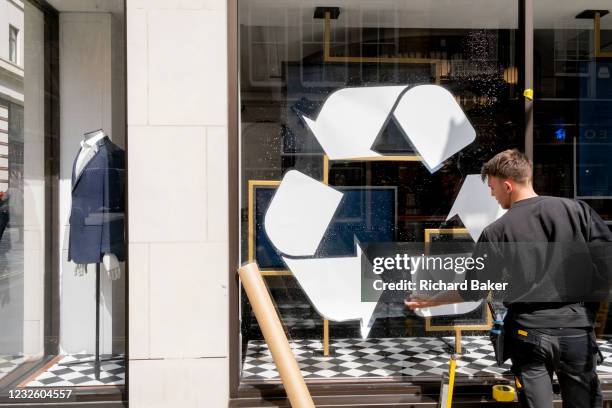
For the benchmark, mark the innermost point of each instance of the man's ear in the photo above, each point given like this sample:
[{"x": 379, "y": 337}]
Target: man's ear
[{"x": 508, "y": 186}]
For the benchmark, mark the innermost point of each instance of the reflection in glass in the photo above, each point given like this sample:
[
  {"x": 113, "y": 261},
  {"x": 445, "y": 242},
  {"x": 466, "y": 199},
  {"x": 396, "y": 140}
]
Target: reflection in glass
[
  {"x": 290, "y": 64},
  {"x": 21, "y": 189},
  {"x": 572, "y": 124}
]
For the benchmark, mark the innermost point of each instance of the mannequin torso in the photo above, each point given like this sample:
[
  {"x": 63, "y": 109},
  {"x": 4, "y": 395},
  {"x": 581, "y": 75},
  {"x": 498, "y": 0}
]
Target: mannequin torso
[
  {"x": 87, "y": 144},
  {"x": 86, "y": 153}
]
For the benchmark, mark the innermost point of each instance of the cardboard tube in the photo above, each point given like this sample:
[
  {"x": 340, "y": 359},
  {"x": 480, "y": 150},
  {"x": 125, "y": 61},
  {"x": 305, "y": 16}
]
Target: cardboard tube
[{"x": 273, "y": 332}]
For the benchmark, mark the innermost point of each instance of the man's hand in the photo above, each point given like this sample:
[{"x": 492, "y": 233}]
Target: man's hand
[
  {"x": 414, "y": 302},
  {"x": 444, "y": 298}
]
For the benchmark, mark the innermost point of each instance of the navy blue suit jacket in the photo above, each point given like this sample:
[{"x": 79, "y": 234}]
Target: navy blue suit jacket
[{"x": 97, "y": 215}]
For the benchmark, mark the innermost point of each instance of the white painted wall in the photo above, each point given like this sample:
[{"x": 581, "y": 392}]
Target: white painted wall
[
  {"x": 177, "y": 134},
  {"x": 85, "y": 104}
]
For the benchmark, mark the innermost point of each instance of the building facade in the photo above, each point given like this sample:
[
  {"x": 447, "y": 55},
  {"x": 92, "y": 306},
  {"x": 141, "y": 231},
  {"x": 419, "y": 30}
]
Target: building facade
[{"x": 210, "y": 108}]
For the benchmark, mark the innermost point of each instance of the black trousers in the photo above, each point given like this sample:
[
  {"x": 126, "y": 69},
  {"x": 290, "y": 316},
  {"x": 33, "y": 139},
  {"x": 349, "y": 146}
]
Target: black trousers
[{"x": 535, "y": 357}]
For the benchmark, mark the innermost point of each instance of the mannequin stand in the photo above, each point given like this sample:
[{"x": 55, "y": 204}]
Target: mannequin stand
[
  {"x": 97, "y": 356},
  {"x": 97, "y": 360}
]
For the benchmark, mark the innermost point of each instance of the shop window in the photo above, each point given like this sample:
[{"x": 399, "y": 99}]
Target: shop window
[
  {"x": 296, "y": 62},
  {"x": 23, "y": 203},
  {"x": 572, "y": 126},
  {"x": 62, "y": 216}
]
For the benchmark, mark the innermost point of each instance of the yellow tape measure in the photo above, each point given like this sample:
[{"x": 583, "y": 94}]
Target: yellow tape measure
[{"x": 503, "y": 393}]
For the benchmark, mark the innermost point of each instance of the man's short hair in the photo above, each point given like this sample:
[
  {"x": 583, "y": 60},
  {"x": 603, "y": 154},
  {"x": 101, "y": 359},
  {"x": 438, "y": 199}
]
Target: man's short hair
[{"x": 509, "y": 164}]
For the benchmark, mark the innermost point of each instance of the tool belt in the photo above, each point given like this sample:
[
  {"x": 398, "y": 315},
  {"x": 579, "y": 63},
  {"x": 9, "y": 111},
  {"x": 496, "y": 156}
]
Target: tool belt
[
  {"x": 501, "y": 337},
  {"x": 498, "y": 336}
]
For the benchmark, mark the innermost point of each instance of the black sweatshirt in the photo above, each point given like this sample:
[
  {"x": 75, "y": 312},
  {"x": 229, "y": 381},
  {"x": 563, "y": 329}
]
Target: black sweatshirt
[{"x": 555, "y": 252}]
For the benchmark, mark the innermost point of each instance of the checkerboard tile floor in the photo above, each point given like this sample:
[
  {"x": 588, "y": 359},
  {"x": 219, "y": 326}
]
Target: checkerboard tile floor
[
  {"x": 391, "y": 357},
  {"x": 82, "y": 372},
  {"x": 9, "y": 363}
]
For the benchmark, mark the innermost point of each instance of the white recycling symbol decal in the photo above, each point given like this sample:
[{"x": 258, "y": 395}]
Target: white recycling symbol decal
[
  {"x": 475, "y": 206},
  {"x": 352, "y": 118},
  {"x": 347, "y": 126}
]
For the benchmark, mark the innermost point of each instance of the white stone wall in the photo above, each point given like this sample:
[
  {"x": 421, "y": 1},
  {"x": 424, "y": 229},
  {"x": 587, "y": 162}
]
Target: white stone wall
[{"x": 177, "y": 169}]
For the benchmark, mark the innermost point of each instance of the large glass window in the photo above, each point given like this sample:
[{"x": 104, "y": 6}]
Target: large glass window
[
  {"x": 22, "y": 190},
  {"x": 572, "y": 121},
  {"x": 307, "y": 73},
  {"x": 62, "y": 202}
]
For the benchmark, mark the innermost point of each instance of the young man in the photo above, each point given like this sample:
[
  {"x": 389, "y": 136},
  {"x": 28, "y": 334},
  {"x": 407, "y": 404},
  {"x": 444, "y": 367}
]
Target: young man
[{"x": 546, "y": 331}]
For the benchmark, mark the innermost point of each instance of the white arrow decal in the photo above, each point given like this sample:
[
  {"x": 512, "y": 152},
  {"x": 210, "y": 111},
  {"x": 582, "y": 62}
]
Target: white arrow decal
[
  {"x": 296, "y": 220},
  {"x": 447, "y": 310},
  {"x": 299, "y": 214},
  {"x": 444, "y": 275},
  {"x": 434, "y": 123},
  {"x": 351, "y": 119},
  {"x": 333, "y": 285},
  {"x": 475, "y": 206}
]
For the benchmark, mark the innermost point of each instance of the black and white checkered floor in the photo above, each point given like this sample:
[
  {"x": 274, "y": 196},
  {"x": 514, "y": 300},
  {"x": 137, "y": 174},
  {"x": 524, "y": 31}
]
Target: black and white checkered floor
[
  {"x": 80, "y": 372},
  {"x": 391, "y": 357},
  {"x": 9, "y": 363}
]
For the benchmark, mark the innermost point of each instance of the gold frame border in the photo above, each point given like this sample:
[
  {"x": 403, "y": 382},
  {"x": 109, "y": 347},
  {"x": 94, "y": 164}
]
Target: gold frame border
[
  {"x": 251, "y": 239},
  {"x": 252, "y": 184},
  {"x": 456, "y": 328},
  {"x": 437, "y": 63},
  {"x": 597, "y": 37}
]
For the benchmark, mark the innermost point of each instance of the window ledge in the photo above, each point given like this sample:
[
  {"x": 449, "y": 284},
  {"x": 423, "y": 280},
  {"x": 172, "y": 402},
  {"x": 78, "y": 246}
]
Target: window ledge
[
  {"x": 17, "y": 3},
  {"x": 11, "y": 68}
]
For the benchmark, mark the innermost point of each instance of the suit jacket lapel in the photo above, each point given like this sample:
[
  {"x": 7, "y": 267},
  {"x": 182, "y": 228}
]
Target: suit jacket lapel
[
  {"x": 74, "y": 167},
  {"x": 88, "y": 159}
]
